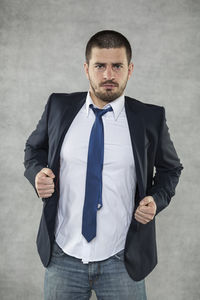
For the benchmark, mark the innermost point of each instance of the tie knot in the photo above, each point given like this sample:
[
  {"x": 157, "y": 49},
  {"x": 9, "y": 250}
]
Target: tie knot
[{"x": 100, "y": 112}]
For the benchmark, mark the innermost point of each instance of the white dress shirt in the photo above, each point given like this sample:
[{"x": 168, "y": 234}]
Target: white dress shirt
[{"x": 118, "y": 185}]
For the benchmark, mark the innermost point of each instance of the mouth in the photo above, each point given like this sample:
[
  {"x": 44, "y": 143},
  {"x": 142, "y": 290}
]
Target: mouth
[{"x": 109, "y": 86}]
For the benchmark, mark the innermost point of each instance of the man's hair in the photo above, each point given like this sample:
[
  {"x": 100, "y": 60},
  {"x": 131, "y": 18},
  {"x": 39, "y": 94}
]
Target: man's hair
[{"x": 108, "y": 39}]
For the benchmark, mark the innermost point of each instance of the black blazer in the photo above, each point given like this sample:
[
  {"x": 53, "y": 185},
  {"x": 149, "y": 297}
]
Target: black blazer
[{"x": 151, "y": 145}]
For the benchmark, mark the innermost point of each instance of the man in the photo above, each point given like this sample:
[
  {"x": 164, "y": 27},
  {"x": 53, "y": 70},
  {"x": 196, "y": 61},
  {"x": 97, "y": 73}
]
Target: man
[{"x": 91, "y": 159}]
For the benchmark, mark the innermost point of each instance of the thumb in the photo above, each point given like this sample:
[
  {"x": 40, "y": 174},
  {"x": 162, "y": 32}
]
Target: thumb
[
  {"x": 146, "y": 200},
  {"x": 48, "y": 172}
]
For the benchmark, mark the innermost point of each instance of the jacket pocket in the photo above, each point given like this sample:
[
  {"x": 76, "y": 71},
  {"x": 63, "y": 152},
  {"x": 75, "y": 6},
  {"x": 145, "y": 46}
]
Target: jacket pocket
[{"x": 57, "y": 251}]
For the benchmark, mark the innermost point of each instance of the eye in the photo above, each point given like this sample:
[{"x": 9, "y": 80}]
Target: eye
[
  {"x": 99, "y": 66},
  {"x": 117, "y": 67}
]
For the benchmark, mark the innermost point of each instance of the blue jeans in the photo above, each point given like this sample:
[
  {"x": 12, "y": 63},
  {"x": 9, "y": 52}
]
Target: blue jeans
[{"x": 67, "y": 278}]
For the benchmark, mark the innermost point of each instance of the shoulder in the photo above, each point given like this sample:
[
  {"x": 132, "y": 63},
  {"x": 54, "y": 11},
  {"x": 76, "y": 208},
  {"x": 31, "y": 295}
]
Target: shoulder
[
  {"x": 66, "y": 98},
  {"x": 153, "y": 115},
  {"x": 58, "y": 102},
  {"x": 145, "y": 110},
  {"x": 143, "y": 107}
]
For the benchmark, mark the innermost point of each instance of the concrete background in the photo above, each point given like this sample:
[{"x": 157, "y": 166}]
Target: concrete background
[{"x": 42, "y": 51}]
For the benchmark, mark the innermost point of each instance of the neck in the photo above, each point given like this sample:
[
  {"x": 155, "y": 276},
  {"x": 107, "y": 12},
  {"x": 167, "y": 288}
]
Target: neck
[{"x": 98, "y": 102}]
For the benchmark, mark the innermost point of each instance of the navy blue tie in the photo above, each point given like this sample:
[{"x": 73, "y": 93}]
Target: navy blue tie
[{"x": 93, "y": 187}]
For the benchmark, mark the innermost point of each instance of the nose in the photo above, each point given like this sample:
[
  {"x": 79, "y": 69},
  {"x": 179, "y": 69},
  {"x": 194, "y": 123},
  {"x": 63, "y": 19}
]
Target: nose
[{"x": 108, "y": 73}]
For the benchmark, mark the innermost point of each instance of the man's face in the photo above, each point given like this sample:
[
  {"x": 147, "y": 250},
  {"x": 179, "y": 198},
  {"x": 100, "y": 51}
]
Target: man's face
[{"x": 108, "y": 72}]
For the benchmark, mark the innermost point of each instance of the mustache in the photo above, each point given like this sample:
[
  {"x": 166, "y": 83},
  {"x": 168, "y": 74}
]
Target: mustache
[{"x": 109, "y": 82}]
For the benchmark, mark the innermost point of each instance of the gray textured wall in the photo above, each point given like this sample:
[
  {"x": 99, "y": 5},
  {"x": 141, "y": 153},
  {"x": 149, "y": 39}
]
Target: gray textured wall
[{"x": 42, "y": 51}]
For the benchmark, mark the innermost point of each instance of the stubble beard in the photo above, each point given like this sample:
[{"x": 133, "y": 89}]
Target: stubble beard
[{"x": 108, "y": 95}]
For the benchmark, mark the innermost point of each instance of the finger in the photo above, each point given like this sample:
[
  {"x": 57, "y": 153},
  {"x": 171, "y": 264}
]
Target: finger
[
  {"x": 45, "y": 188},
  {"x": 144, "y": 216},
  {"x": 45, "y": 195},
  {"x": 45, "y": 192},
  {"x": 146, "y": 200},
  {"x": 141, "y": 220},
  {"x": 47, "y": 184},
  {"x": 44, "y": 180},
  {"x": 48, "y": 172},
  {"x": 147, "y": 209}
]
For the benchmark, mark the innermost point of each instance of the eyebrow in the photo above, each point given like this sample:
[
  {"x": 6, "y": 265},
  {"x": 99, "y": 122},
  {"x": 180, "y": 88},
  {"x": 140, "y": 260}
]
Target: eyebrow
[{"x": 99, "y": 63}]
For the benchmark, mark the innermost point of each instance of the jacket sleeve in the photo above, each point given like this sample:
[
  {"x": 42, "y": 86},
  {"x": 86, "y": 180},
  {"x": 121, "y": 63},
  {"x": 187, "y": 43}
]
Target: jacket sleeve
[
  {"x": 36, "y": 148},
  {"x": 167, "y": 168}
]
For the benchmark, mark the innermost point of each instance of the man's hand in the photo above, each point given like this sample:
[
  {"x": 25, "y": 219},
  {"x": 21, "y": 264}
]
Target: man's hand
[
  {"x": 44, "y": 183},
  {"x": 146, "y": 210}
]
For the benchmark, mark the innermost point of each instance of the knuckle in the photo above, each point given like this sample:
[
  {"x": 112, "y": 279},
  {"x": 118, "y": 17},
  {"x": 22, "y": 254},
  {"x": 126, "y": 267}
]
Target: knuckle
[{"x": 46, "y": 196}]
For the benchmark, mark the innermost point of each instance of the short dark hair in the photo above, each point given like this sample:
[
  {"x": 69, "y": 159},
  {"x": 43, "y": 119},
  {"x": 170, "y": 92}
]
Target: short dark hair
[{"x": 108, "y": 39}]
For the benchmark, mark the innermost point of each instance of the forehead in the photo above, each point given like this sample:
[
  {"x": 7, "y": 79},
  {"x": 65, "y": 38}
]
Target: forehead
[{"x": 109, "y": 55}]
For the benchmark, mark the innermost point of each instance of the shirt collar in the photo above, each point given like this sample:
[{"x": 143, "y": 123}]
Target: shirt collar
[{"x": 117, "y": 105}]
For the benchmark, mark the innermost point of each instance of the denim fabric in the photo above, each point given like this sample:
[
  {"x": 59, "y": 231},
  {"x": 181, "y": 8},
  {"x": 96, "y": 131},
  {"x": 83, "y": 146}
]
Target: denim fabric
[{"x": 67, "y": 278}]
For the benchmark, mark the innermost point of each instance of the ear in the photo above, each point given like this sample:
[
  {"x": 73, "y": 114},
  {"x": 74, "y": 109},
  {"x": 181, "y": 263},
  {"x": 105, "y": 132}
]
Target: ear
[
  {"x": 130, "y": 69},
  {"x": 86, "y": 68}
]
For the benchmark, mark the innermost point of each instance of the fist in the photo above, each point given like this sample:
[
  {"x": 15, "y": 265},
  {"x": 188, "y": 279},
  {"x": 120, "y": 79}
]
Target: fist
[
  {"x": 44, "y": 183},
  {"x": 146, "y": 210}
]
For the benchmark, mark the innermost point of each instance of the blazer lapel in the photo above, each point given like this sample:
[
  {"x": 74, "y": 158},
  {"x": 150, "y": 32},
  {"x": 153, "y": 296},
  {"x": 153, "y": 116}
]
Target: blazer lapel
[{"x": 139, "y": 140}]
